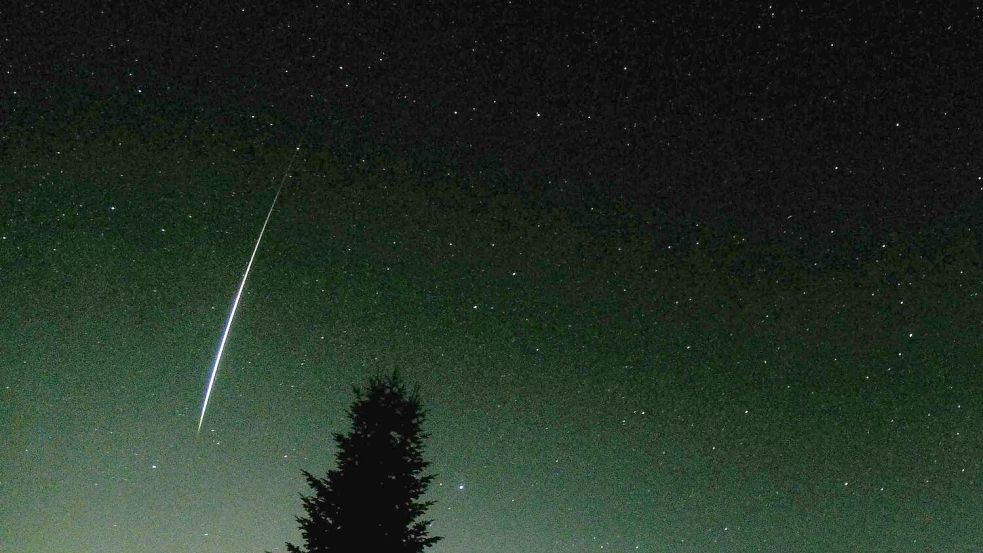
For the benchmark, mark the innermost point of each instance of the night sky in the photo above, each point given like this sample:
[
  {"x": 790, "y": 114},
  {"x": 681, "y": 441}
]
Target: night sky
[{"x": 687, "y": 277}]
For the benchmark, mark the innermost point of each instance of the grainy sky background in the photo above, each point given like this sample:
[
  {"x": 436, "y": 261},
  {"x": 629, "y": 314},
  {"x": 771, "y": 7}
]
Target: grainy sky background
[{"x": 693, "y": 277}]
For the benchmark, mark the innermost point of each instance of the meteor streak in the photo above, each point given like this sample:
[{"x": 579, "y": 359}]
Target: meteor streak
[{"x": 235, "y": 301}]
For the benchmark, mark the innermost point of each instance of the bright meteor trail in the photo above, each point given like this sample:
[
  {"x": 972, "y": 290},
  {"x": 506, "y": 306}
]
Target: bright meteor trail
[{"x": 235, "y": 301}]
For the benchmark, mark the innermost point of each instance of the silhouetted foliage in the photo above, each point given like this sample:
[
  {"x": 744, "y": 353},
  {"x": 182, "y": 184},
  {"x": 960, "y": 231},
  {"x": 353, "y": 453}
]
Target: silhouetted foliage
[{"x": 371, "y": 500}]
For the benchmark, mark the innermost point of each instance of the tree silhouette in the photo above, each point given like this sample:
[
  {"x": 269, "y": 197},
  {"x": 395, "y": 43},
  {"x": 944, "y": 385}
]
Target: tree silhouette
[{"x": 371, "y": 500}]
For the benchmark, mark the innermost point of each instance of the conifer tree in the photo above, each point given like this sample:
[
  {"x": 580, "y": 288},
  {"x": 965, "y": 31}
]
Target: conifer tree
[{"x": 371, "y": 500}]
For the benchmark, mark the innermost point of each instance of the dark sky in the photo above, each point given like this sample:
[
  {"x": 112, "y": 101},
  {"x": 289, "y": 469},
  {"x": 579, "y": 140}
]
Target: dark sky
[
  {"x": 695, "y": 277},
  {"x": 859, "y": 115}
]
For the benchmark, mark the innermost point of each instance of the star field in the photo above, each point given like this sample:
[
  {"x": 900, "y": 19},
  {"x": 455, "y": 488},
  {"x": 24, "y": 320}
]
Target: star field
[{"x": 690, "y": 278}]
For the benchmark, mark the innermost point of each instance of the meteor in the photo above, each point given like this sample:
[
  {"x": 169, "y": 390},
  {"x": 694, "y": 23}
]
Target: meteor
[{"x": 235, "y": 301}]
